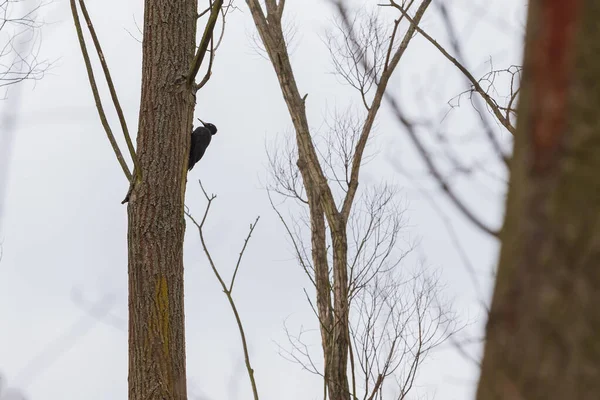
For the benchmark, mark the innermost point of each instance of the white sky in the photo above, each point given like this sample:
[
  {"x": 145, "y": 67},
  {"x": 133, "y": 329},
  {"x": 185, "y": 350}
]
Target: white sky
[{"x": 63, "y": 229}]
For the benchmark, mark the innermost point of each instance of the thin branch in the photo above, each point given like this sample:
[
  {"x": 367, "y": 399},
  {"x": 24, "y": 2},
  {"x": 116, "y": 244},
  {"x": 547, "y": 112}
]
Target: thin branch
[
  {"x": 90, "y": 72},
  {"x": 375, "y": 105},
  {"x": 208, "y": 74},
  {"x": 488, "y": 99},
  {"x": 200, "y": 15},
  {"x": 487, "y": 127},
  {"x": 435, "y": 172},
  {"x": 414, "y": 138},
  {"x": 237, "y": 265},
  {"x": 25, "y": 64},
  {"x": 224, "y": 11},
  {"x": 391, "y": 47},
  {"x": 213, "y": 46},
  {"x": 204, "y": 42},
  {"x": 510, "y": 103},
  {"x": 111, "y": 87},
  {"x": 299, "y": 256},
  {"x": 352, "y": 368},
  {"x": 454, "y": 237},
  {"x": 227, "y": 290}
]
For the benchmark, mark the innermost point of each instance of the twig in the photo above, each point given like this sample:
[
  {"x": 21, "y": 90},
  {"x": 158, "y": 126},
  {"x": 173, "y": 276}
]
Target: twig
[
  {"x": 237, "y": 265},
  {"x": 228, "y": 290},
  {"x": 488, "y": 99},
  {"x": 496, "y": 111},
  {"x": 90, "y": 72},
  {"x": 414, "y": 138},
  {"x": 299, "y": 256},
  {"x": 200, "y": 15}
]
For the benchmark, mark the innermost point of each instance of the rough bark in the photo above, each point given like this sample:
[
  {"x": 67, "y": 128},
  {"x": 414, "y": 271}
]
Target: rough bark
[
  {"x": 543, "y": 333},
  {"x": 334, "y": 323},
  {"x": 321, "y": 266},
  {"x": 155, "y": 211}
]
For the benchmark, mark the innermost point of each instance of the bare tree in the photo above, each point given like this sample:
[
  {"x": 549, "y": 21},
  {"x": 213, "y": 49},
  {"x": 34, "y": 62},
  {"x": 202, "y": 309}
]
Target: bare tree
[
  {"x": 19, "y": 43},
  {"x": 395, "y": 318},
  {"x": 19, "y": 61},
  {"x": 157, "y": 367},
  {"x": 330, "y": 192},
  {"x": 398, "y": 320},
  {"x": 453, "y": 159}
]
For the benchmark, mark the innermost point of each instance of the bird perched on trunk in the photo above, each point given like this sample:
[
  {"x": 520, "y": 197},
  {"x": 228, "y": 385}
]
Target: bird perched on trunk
[{"x": 201, "y": 137}]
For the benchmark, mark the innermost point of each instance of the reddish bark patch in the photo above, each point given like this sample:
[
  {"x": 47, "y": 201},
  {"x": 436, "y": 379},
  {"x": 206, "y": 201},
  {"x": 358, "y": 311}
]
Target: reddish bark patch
[{"x": 551, "y": 70}]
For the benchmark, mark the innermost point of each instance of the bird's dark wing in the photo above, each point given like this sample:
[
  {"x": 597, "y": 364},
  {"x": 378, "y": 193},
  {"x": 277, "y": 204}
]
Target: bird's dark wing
[{"x": 200, "y": 140}]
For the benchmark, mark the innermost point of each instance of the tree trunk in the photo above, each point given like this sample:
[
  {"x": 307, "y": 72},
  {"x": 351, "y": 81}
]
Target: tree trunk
[
  {"x": 155, "y": 211},
  {"x": 543, "y": 333},
  {"x": 339, "y": 388}
]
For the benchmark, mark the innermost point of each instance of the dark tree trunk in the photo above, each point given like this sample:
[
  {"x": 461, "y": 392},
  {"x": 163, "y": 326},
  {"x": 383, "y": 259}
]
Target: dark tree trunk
[
  {"x": 543, "y": 333},
  {"x": 155, "y": 211},
  {"x": 339, "y": 388}
]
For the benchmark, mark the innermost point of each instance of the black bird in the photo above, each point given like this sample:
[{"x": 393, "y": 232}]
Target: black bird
[{"x": 201, "y": 137}]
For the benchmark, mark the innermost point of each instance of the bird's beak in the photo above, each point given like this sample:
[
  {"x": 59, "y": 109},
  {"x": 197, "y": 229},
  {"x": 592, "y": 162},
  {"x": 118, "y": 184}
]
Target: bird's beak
[{"x": 203, "y": 123}]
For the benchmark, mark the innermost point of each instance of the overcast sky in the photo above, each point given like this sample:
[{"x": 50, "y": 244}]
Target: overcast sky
[{"x": 63, "y": 275}]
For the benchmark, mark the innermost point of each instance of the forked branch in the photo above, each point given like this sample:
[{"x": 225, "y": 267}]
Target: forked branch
[{"x": 228, "y": 289}]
